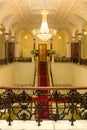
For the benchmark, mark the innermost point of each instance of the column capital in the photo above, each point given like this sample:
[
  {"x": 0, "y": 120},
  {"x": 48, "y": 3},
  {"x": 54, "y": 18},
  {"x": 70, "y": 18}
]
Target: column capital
[
  {"x": 73, "y": 39},
  {"x": 80, "y": 32},
  {"x": 79, "y": 35},
  {"x": 13, "y": 38},
  {"x": 6, "y": 35}
]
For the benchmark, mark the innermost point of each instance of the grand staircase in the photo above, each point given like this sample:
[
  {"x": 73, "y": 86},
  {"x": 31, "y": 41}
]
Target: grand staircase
[
  {"x": 43, "y": 81},
  {"x": 43, "y": 77}
]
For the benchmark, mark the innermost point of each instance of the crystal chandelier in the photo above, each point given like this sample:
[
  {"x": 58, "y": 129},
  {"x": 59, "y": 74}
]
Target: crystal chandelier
[{"x": 44, "y": 33}]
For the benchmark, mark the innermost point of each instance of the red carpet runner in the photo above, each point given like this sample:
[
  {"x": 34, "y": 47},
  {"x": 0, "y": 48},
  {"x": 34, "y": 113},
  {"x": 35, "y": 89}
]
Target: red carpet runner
[
  {"x": 43, "y": 74},
  {"x": 43, "y": 81}
]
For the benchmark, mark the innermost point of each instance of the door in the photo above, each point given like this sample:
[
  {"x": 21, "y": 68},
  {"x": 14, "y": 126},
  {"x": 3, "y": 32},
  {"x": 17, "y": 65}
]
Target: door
[
  {"x": 75, "y": 52},
  {"x": 10, "y": 51},
  {"x": 42, "y": 48}
]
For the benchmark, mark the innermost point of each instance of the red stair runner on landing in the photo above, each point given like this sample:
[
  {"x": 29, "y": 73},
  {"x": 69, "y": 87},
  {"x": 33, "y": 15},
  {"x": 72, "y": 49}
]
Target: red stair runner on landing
[{"x": 43, "y": 79}]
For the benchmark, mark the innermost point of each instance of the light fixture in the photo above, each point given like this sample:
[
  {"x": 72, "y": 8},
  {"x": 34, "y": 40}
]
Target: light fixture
[
  {"x": 85, "y": 32},
  {"x": 1, "y": 29},
  {"x": 26, "y": 37},
  {"x": 44, "y": 33},
  {"x": 1, "y": 32},
  {"x": 59, "y": 37}
]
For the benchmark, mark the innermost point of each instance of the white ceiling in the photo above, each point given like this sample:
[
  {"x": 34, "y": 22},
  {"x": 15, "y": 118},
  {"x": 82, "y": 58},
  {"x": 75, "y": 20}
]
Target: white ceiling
[{"x": 25, "y": 14}]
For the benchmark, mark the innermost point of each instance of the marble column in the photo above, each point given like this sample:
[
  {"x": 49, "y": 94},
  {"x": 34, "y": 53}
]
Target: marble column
[
  {"x": 13, "y": 46},
  {"x": 51, "y": 46},
  {"x": 68, "y": 49},
  {"x": 34, "y": 42},
  {"x": 72, "y": 47},
  {"x": 79, "y": 49},
  {"x": 6, "y": 45}
]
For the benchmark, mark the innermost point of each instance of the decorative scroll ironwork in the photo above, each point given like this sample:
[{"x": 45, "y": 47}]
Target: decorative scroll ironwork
[{"x": 54, "y": 105}]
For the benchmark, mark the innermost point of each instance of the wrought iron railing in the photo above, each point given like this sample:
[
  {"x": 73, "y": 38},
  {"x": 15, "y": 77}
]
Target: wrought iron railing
[
  {"x": 43, "y": 103},
  {"x": 3, "y": 61},
  {"x": 23, "y": 59}
]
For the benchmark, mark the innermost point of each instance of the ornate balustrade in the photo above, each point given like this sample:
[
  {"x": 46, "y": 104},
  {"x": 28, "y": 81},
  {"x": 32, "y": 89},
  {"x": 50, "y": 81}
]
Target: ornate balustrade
[
  {"x": 83, "y": 61},
  {"x": 45, "y": 103},
  {"x": 62, "y": 59},
  {"x": 23, "y": 59},
  {"x": 3, "y": 61}
]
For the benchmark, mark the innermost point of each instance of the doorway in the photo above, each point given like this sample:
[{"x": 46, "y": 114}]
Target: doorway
[
  {"x": 75, "y": 52},
  {"x": 42, "y": 48}
]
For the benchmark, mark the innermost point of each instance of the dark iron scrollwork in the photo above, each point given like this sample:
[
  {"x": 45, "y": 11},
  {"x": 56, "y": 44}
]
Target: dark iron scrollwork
[
  {"x": 58, "y": 106},
  {"x": 42, "y": 105},
  {"x": 23, "y": 106},
  {"x": 73, "y": 100},
  {"x": 83, "y": 106},
  {"x": 7, "y": 99}
]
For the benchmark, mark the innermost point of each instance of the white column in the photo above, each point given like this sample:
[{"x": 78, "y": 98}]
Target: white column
[
  {"x": 13, "y": 38},
  {"x": 80, "y": 39},
  {"x": 72, "y": 47},
  {"x": 17, "y": 49},
  {"x": 3, "y": 51},
  {"x": 2, "y": 46},
  {"x": 80, "y": 42},
  {"x": 6, "y": 45},
  {"x": 32, "y": 58},
  {"x": 68, "y": 49},
  {"x": 13, "y": 45},
  {"x": 34, "y": 44},
  {"x": 82, "y": 50},
  {"x": 52, "y": 58}
]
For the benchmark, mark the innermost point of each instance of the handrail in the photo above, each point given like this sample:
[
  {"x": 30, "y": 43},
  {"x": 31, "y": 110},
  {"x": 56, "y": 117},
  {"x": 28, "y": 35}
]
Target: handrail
[
  {"x": 51, "y": 75},
  {"x": 45, "y": 88},
  {"x": 34, "y": 75}
]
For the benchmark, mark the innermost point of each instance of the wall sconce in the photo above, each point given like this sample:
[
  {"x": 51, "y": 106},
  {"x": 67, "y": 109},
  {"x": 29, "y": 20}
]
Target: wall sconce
[{"x": 26, "y": 37}]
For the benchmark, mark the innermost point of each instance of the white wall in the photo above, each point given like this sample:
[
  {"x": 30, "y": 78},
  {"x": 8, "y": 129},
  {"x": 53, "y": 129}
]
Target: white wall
[
  {"x": 17, "y": 73},
  {"x": 62, "y": 73},
  {"x": 79, "y": 75},
  {"x": 26, "y": 45},
  {"x": 24, "y": 73},
  {"x": 6, "y": 75},
  {"x": 68, "y": 73}
]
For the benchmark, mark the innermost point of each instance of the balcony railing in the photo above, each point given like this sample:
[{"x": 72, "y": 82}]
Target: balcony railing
[
  {"x": 23, "y": 59},
  {"x": 3, "y": 61},
  {"x": 43, "y": 103}
]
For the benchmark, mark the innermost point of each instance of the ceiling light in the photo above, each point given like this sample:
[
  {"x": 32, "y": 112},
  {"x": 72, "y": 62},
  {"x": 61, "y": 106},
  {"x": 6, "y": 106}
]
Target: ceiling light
[
  {"x": 59, "y": 37},
  {"x": 0, "y": 32},
  {"x": 44, "y": 33},
  {"x": 85, "y": 33},
  {"x": 26, "y": 37}
]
